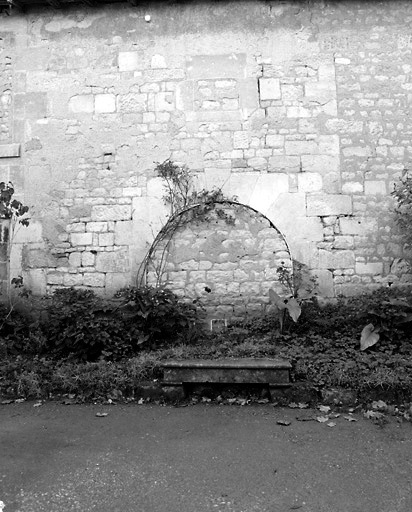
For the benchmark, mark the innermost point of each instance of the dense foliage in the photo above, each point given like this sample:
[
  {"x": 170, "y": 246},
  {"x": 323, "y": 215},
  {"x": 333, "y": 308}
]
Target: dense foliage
[{"x": 90, "y": 346}]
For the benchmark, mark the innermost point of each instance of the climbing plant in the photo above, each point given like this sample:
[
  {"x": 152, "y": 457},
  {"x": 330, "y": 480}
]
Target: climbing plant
[
  {"x": 403, "y": 195},
  {"x": 186, "y": 205}
]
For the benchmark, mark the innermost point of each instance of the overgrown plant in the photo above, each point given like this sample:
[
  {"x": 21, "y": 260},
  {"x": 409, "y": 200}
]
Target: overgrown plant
[
  {"x": 12, "y": 213},
  {"x": 155, "y": 315},
  {"x": 186, "y": 205},
  {"x": 403, "y": 195},
  {"x": 301, "y": 285}
]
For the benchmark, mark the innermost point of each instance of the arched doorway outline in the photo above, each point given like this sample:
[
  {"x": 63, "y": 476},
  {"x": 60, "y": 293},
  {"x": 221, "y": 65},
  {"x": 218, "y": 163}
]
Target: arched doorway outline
[{"x": 171, "y": 226}]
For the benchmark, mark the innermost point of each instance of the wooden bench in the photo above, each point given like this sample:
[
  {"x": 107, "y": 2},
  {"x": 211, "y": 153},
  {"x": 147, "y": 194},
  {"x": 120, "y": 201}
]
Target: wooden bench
[{"x": 273, "y": 373}]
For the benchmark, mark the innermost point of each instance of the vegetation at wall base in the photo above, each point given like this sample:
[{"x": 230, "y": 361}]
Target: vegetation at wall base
[{"x": 95, "y": 358}]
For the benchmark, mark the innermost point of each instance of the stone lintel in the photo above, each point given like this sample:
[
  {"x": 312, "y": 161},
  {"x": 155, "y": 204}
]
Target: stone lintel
[{"x": 10, "y": 150}]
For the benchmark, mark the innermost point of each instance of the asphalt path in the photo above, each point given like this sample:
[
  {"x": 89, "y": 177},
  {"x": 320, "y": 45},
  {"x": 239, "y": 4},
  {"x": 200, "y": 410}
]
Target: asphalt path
[{"x": 205, "y": 457}]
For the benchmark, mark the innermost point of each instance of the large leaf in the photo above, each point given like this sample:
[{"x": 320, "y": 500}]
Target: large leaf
[
  {"x": 277, "y": 300},
  {"x": 294, "y": 309},
  {"x": 369, "y": 336}
]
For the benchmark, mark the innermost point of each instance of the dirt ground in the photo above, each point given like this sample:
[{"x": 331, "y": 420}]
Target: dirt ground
[{"x": 149, "y": 458}]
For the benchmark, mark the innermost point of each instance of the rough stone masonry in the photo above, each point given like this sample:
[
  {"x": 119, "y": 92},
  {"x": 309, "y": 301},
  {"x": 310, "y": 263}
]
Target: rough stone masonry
[{"x": 300, "y": 109}]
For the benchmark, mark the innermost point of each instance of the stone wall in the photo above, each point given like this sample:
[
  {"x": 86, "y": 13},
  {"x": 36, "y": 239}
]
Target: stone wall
[
  {"x": 301, "y": 109},
  {"x": 227, "y": 258}
]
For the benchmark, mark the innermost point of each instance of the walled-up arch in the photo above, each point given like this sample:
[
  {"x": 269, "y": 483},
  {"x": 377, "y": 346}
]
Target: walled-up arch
[{"x": 226, "y": 256}]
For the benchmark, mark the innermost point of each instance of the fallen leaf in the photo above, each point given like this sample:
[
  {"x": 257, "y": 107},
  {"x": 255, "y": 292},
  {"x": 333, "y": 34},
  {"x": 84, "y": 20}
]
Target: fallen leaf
[
  {"x": 101, "y": 414},
  {"x": 38, "y": 404},
  {"x": 6, "y": 402},
  {"x": 19, "y": 400},
  {"x": 305, "y": 417},
  {"x": 140, "y": 401},
  {"x": 206, "y": 400},
  {"x": 286, "y": 423},
  {"x": 331, "y": 424},
  {"x": 322, "y": 419},
  {"x": 369, "y": 336},
  {"x": 303, "y": 405},
  {"x": 373, "y": 415},
  {"x": 349, "y": 418},
  {"x": 324, "y": 408},
  {"x": 380, "y": 405}
]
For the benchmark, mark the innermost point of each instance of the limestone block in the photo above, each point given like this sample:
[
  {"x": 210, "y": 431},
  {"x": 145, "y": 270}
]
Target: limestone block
[
  {"x": 55, "y": 278},
  {"x": 309, "y": 182},
  {"x": 357, "y": 151},
  {"x": 83, "y": 103},
  {"x": 269, "y": 89},
  {"x": 301, "y": 147},
  {"x": 149, "y": 216},
  {"x": 329, "y": 144},
  {"x": 185, "y": 95},
  {"x": 343, "y": 242},
  {"x": 111, "y": 212},
  {"x": 132, "y": 102},
  {"x": 327, "y": 71},
  {"x": 35, "y": 280},
  {"x": 336, "y": 259},
  {"x": 352, "y": 187},
  {"x": 330, "y": 108},
  {"x": 116, "y": 281},
  {"x": 322, "y": 164},
  {"x": 94, "y": 279},
  {"x": 328, "y": 204},
  {"x": 203, "y": 67},
  {"x": 35, "y": 105},
  {"x": 88, "y": 259},
  {"x": 375, "y": 268},
  {"x": 156, "y": 187},
  {"x": 106, "y": 239},
  {"x": 76, "y": 227},
  {"x": 105, "y": 103},
  {"x": 75, "y": 259},
  {"x": 257, "y": 162},
  {"x": 275, "y": 141},
  {"x": 299, "y": 111},
  {"x": 28, "y": 234},
  {"x": 164, "y": 101},
  {"x": 73, "y": 279},
  {"x": 300, "y": 227},
  {"x": 248, "y": 93},
  {"x": 358, "y": 226},
  {"x": 284, "y": 163},
  {"x": 113, "y": 261},
  {"x": 324, "y": 280},
  {"x": 375, "y": 188},
  {"x": 128, "y": 61},
  {"x": 255, "y": 189},
  {"x": 9, "y": 150},
  {"x": 241, "y": 140},
  {"x": 123, "y": 232},
  {"x": 158, "y": 62},
  {"x": 81, "y": 239},
  {"x": 96, "y": 227},
  {"x": 321, "y": 91}
]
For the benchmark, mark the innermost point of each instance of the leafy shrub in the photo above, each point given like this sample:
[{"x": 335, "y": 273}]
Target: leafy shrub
[
  {"x": 83, "y": 326},
  {"x": 156, "y": 316}
]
